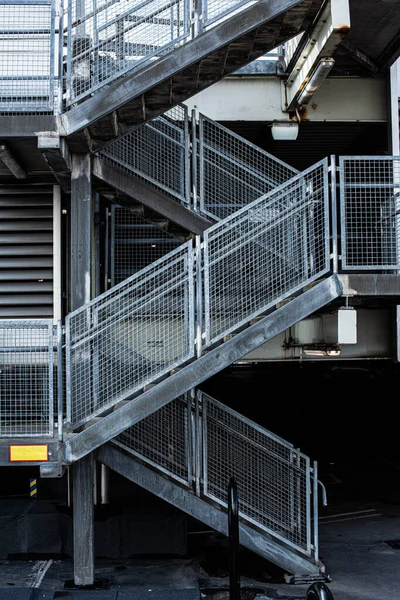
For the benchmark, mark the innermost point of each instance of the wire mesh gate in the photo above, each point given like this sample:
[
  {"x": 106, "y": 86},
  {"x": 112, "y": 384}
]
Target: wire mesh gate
[{"x": 201, "y": 443}]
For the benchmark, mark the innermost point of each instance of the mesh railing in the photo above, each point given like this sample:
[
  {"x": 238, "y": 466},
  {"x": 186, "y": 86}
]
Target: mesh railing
[
  {"x": 273, "y": 478},
  {"x": 207, "y": 442},
  {"x": 369, "y": 212},
  {"x": 26, "y": 378},
  {"x": 232, "y": 171},
  {"x": 129, "y": 336},
  {"x": 107, "y": 40},
  {"x": 27, "y": 56},
  {"x": 135, "y": 244},
  {"x": 163, "y": 440},
  {"x": 266, "y": 252},
  {"x": 157, "y": 153}
]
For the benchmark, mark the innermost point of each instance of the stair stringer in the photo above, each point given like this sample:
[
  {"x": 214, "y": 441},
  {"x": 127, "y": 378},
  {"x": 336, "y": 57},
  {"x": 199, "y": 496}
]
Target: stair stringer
[
  {"x": 151, "y": 198},
  {"x": 212, "y": 515},
  {"x": 208, "y": 364}
]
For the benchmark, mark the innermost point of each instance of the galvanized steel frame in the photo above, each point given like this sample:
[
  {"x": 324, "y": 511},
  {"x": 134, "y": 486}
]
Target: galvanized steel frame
[
  {"x": 48, "y": 385},
  {"x": 359, "y": 216}
]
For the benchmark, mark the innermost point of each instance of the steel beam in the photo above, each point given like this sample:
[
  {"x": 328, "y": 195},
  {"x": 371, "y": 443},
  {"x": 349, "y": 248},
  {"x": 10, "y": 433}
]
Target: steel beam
[
  {"x": 370, "y": 285},
  {"x": 81, "y": 219},
  {"x": 27, "y": 126},
  {"x": 149, "y": 197},
  {"x": 209, "y": 364},
  {"x": 55, "y": 152},
  {"x": 260, "y": 543},
  {"x": 330, "y": 29},
  {"x": 12, "y": 164}
]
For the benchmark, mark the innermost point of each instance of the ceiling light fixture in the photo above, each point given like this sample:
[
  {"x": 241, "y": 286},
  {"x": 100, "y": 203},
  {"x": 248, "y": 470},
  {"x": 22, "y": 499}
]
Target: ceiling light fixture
[
  {"x": 317, "y": 77},
  {"x": 321, "y": 350}
]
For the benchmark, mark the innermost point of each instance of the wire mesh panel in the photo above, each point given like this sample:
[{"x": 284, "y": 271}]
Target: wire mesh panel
[
  {"x": 232, "y": 171},
  {"x": 216, "y": 10},
  {"x": 26, "y": 378},
  {"x": 135, "y": 244},
  {"x": 162, "y": 440},
  {"x": 26, "y": 56},
  {"x": 157, "y": 153},
  {"x": 107, "y": 39},
  {"x": 130, "y": 336},
  {"x": 265, "y": 252},
  {"x": 370, "y": 203},
  {"x": 273, "y": 478}
]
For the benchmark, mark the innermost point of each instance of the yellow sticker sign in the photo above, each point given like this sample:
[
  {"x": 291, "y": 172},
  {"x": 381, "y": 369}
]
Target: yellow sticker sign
[{"x": 22, "y": 453}]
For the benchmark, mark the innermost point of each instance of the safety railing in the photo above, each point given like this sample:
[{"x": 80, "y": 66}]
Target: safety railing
[
  {"x": 218, "y": 174},
  {"x": 27, "y": 350},
  {"x": 28, "y": 64},
  {"x": 157, "y": 153},
  {"x": 265, "y": 252},
  {"x": 202, "y": 444},
  {"x": 107, "y": 40},
  {"x": 130, "y": 336},
  {"x": 233, "y": 172},
  {"x": 370, "y": 212}
]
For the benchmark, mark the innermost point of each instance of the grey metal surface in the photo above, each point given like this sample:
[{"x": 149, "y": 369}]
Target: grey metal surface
[
  {"x": 130, "y": 336},
  {"x": 200, "y": 509},
  {"x": 369, "y": 205},
  {"x": 232, "y": 171},
  {"x": 370, "y": 284},
  {"x": 83, "y": 520},
  {"x": 148, "y": 196},
  {"x": 26, "y": 378},
  {"x": 142, "y": 405},
  {"x": 273, "y": 478},
  {"x": 281, "y": 243},
  {"x": 27, "y": 43},
  {"x": 157, "y": 153}
]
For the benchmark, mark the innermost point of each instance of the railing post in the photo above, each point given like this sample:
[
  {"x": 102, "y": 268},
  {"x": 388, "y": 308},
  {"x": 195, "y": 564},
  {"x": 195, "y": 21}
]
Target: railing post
[
  {"x": 60, "y": 386},
  {"x": 335, "y": 258},
  {"x": 315, "y": 511},
  {"x": 197, "y": 17},
  {"x": 194, "y": 160},
  {"x": 233, "y": 524},
  {"x": 199, "y": 303}
]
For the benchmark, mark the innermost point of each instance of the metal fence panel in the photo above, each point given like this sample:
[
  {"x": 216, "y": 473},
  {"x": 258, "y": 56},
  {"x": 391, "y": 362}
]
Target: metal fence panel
[
  {"x": 218, "y": 10},
  {"x": 26, "y": 56},
  {"x": 130, "y": 336},
  {"x": 135, "y": 244},
  {"x": 26, "y": 378},
  {"x": 107, "y": 40},
  {"x": 273, "y": 478},
  {"x": 232, "y": 171},
  {"x": 157, "y": 153},
  {"x": 266, "y": 251},
  {"x": 369, "y": 207},
  {"x": 162, "y": 440}
]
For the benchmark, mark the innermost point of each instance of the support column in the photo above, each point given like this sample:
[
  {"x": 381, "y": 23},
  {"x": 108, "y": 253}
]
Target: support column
[{"x": 81, "y": 286}]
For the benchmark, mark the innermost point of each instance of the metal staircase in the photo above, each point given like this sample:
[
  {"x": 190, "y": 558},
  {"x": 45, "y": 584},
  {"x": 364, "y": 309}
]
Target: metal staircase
[
  {"x": 197, "y": 310},
  {"x": 186, "y": 452},
  {"x": 127, "y": 66}
]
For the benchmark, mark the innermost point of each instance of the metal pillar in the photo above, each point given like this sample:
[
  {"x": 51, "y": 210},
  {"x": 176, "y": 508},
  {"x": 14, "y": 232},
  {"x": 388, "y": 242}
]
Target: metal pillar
[
  {"x": 81, "y": 223},
  {"x": 394, "y": 134},
  {"x": 83, "y": 506}
]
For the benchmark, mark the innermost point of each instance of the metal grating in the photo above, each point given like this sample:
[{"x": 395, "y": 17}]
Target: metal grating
[
  {"x": 157, "y": 153},
  {"x": 130, "y": 336},
  {"x": 107, "y": 40},
  {"x": 232, "y": 171},
  {"x": 162, "y": 440},
  {"x": 26, "y": 56},
  {"x": 26, "y": 378},
  {"x": 217, "y": 10},
  {"x": 135, "y": 244},
  {"x": 265, "y": 252},
  {"x": 369, "y": 203},
  {"x": 273, "y": 478}
]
